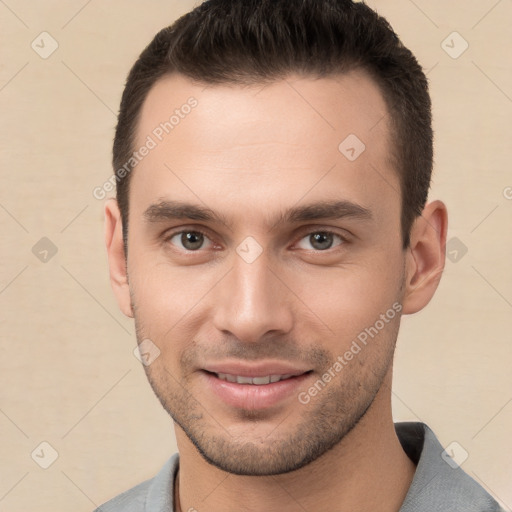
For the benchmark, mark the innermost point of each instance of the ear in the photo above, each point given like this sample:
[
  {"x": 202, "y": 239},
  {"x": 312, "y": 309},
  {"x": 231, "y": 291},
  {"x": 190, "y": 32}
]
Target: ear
[
  {"x": 116, "y": 256},
  {"x": 425, "y": 258}
]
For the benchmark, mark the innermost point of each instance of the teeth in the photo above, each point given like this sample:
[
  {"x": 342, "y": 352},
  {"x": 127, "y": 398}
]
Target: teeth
[
  {"x": 258, "y": 381},
  {"x": 261, "y": 380}
]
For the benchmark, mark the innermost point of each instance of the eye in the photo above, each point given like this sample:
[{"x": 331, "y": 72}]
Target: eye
[
  {"x": 320, "y": 240},
  {"x": 189, "y": 240}
]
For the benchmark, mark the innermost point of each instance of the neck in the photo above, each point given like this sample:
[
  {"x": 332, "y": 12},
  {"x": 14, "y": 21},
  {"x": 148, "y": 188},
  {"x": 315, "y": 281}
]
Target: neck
[{"x": 367, "y": 470}]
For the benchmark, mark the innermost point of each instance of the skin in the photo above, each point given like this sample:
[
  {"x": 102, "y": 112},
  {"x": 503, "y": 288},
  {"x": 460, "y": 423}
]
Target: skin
[{"x": 250, "y": 154}]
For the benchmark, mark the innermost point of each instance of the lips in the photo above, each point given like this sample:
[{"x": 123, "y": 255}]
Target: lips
[{"x": 254, "y": 387}]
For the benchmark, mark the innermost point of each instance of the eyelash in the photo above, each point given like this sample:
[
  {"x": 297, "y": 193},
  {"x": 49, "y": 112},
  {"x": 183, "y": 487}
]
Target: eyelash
[{"x": 343, "y": 239}]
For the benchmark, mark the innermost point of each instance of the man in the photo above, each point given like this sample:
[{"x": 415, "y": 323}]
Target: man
[{"x": 273, "y": 162}]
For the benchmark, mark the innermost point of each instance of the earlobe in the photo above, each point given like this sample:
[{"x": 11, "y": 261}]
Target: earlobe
[
  {"x": 425, "y": 258},
  {"x": 116, "y": 256}
]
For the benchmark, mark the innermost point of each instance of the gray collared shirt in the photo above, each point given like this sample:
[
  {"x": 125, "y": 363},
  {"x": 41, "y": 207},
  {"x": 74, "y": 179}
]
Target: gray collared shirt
[{"x": 438, "y": 484}]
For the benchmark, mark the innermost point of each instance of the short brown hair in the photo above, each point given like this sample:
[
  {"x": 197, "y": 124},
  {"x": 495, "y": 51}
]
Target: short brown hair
[{"x": 257, "y": 41}]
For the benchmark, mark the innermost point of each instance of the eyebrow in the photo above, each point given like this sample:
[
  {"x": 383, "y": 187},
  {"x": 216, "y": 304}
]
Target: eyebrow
[{"x": 166, "y": 210}]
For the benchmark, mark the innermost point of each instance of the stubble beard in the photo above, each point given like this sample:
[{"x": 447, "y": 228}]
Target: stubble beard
[{"x": 324, "y": 422}]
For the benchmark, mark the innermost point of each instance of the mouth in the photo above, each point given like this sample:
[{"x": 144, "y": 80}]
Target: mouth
[
  {"x": 256, "y": 381},
  {"x": 254, "y": 388}
]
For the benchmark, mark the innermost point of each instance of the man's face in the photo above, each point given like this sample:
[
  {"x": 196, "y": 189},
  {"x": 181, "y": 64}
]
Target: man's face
[{"x": 302, "y": 254}]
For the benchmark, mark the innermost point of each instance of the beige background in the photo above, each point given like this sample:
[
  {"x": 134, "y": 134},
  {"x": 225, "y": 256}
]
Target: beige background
[{"x": 68, "y": 373}]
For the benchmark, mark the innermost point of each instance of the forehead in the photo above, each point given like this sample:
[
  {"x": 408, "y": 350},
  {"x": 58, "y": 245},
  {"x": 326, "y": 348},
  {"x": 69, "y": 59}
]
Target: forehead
[
  {"x": 350, "y": 103},
  {"x": 280, "y": 139}
]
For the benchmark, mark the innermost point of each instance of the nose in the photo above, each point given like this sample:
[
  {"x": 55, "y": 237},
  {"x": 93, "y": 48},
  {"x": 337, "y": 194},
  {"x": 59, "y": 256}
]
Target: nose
[{"x": 252, "y": 301}]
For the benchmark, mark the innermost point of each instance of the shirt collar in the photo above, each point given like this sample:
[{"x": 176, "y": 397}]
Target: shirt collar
[{"x": 438, "y": 483}]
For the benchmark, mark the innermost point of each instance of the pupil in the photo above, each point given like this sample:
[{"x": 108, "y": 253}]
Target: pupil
[
  {"x": 321, "y": 240},
  {"x": 192, "y": 240}
]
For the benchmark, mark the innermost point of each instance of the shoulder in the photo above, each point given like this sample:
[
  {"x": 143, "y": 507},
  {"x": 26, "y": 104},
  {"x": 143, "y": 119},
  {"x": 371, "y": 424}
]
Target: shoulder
[
  {"x": 154, "y": 494},
  {"x": 439, "y": 482},
  {"x": 132, "y": 500}
]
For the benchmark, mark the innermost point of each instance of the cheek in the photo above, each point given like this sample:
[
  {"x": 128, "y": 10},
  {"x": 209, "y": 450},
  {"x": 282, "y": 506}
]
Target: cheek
[
  {"x": 161, "y": 283},
  {"x": 350, "y": 299},
  {"x": 165, "y": 296}
]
